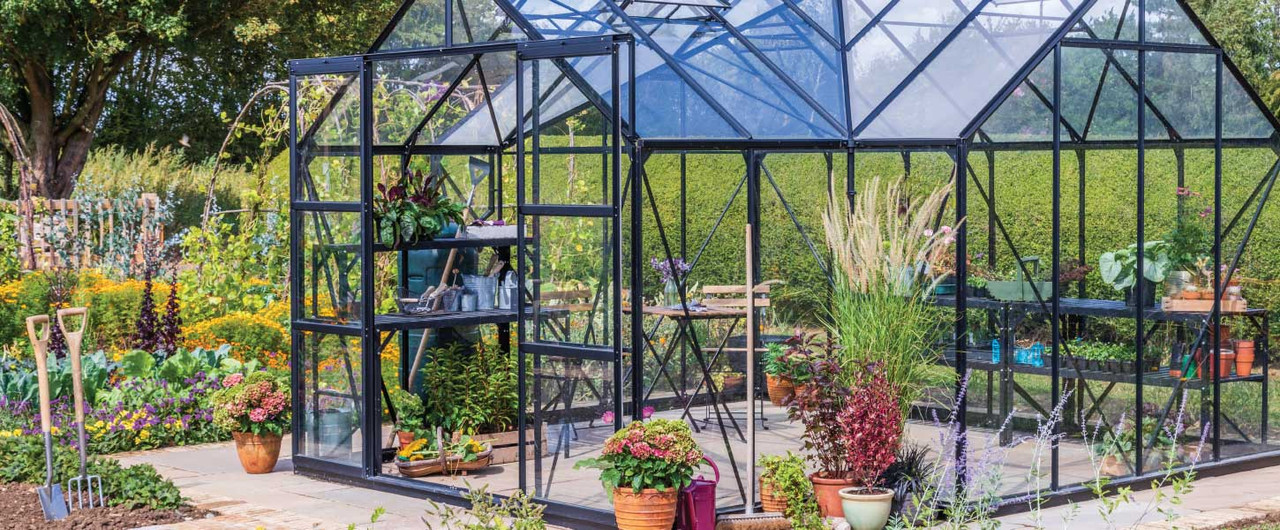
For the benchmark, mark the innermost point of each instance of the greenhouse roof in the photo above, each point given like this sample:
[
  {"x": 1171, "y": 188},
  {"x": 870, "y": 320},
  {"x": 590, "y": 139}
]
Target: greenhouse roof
[{"x": 856, "y": 70}]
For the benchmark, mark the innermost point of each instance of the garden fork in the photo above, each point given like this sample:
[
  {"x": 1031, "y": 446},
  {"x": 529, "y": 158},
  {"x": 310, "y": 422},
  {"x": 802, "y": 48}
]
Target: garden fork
[
  {"x": 51, "y": 499},
  {"x": 85, "y": 486}
]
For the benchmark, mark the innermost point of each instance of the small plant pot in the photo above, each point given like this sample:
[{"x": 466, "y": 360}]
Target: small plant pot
[
  {"x": 1113, "y": 466},
  {"x": 1226, "y": 361},
  {"x": 1244, "y": 358},
  {"x": 866, "y": 510},
  {"x": 258, "y": 453},
  {"x": 648, "y": 509},
  {"x": 827, "y": 492},
  {"x": 770, "y": 500},
  {"x": 780, "y": 389},
  {"x": 405, "y": 438}
]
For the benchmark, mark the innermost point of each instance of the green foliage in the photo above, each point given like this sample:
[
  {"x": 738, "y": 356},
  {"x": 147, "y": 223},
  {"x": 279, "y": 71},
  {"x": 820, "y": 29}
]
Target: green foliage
[
  {"x": 1118, "y": 267},
  {"x": 10, "y": 265},
  {"x": 138, "y": 486},
  {"x": 787, "y": 476},
  {"x": 414, "y": 209},
  {"x": 241, "y": 266},
  {"x": 137, "y": 363},
  {"x": 470, "y": 391},
  {"x": 517, "y": 512},
  {"x": 149, "y": 412},
  {"x": 18, "y": 378},
  {"x": 409, "y": 411}
]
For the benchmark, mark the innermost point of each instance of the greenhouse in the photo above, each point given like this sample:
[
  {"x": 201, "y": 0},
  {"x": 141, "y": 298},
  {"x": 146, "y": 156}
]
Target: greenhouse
[{"x": 518, "y": 225}]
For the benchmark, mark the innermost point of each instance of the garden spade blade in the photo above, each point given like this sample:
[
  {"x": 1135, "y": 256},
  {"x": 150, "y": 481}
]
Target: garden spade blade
[{"x": 51, "y": 499}]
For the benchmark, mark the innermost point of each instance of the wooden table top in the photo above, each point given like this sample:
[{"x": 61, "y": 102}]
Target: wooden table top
[{"x": 704, "y": 313}]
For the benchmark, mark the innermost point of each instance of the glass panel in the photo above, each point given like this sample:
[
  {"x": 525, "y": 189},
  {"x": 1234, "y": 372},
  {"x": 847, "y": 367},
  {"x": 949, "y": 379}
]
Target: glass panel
[
  {"x": 406, "y": 89},
  {"x": 1167, "y": 22},
  {"x": 571, "y": 269},
  {"x": 332, "y": 397},
  {"x": 1025, "y": 115},
  {"x": 858, "y": 13},
  {"x": 570, "y": 414},
  {"x": 328, "y": 115},
  {"x": 331, "y": 266},
  {"x": 969, "y": 72},
  {"x": 738, "y": 80},
  {"x": 477, "y": 127},
  {"x": 667, "y": 106},
  {"x": 1241, "y": 117},
  {"x": 797, "y": 49},
  {"x": 1116, "y": 114},
  {"x": 821, "y": 11},
  {"x": 422, "y": 26},
  {"x": 580, "y": 178},
  {"x": 882, "y": 59},
  {"x": 1110, "y": 20},
  {"x": 482, "y": 21},
  {"x": 1181, "y": 87}
]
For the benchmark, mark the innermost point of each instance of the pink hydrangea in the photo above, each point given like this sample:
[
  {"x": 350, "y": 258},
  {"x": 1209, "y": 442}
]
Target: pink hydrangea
[
  {"x": 258, "y": 415},
  {"x": 232, "y": 380}
]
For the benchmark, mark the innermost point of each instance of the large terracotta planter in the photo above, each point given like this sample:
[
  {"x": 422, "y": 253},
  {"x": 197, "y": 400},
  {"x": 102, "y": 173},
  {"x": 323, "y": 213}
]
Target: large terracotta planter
[
  {"x": 258, "y": 453},
  {"x": 865, "y": 510},
  {"x": 649, "y": 509},
  {"x": 1244, "y": 358},
  {"x": 827, "y": 491},
  {"x": 780, "y": 389},
  {"x": 770, "y": 500}
]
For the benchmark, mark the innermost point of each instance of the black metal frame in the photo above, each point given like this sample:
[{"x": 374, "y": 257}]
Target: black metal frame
[{"x": 635, "y": 187}]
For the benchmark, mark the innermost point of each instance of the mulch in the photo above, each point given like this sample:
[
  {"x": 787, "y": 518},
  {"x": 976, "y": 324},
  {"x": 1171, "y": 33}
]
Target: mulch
[{"x": 21, "y": 509}]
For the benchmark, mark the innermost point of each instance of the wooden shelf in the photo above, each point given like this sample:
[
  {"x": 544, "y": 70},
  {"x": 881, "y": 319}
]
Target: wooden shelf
[{"x": 400, "y": 321}]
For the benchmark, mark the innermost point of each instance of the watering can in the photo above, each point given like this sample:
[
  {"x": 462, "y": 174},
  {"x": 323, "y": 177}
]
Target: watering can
[{"x": 697, "y": 508}]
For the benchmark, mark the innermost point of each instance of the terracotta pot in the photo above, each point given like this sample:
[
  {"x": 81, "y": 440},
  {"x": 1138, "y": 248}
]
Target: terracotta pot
[
  {"x": 827, "y": 491},
  {"x": 649, "y": 509},
  {"x": 258, "y": 453},
  {"x": 780, "y": 389},
  {"x": 865, "y": 510},
  {"x": 1226, "y": 360},
  {"x": 405, "y": 437},
  {"x": 1113, "y": 466},
  {"x": 770, "y": 500},
  {"x": 1244, "y": 357}
]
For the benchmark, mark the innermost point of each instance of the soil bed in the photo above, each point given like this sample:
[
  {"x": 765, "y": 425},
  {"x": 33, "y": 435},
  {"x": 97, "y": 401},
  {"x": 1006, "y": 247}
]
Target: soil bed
[{"x": 21, "y": 509}]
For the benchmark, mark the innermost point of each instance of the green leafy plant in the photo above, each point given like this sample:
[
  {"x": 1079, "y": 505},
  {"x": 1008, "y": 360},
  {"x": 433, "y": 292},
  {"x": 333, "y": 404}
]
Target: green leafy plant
[
  {"x": 414, "y": 209},
  {"x": 471, "y": 391},
  {"x": 22, "y": 459},
  {"x": 409, "y": 411},
  {"x": 793, "y": 358},
  {"x": 657, "y": 454},
  {"x": 137, "y": 363},
  {"x": 517, "y": 512},
  {"x": 786, "y": 475},
  {"x": 1119, "y": 267},
  {"x": 1120, "y": 441}
]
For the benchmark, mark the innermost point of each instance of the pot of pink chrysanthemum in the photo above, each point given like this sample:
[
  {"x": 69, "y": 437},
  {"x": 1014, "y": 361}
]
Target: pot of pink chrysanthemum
[
  {"x": 255, "y": 408},
  {"x": 643, "y": 467}
]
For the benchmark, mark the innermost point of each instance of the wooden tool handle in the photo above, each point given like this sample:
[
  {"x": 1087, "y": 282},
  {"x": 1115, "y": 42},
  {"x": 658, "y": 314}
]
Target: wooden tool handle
[
  {"x": 40, "y": 343},
  {"x": 74, "y": 340}
]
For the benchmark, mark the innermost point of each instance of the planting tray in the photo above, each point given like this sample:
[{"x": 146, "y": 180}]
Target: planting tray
[
  {"x": 1175, "y": 305},
  {"x": 1018, "y": 291}
]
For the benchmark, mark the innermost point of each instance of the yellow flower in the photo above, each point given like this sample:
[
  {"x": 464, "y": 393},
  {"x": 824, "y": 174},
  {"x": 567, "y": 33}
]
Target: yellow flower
[{"x": 53, "y": 430}]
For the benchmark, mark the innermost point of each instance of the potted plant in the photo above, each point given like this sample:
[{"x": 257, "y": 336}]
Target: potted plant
[
  {"x": 413, "y": 210},
  {"x": 1119, "y": 270},
  {"x": 420, "y": 457},
  {"x": 781, "y": 364},
  {"x": 670, "y": 271},
  {"x": 643, "y": 467},
  {"x": 409, "y": 415},
  {"x": 786, "y": 489},
  {"x": 870, "y": 426},
  {"x": 1188, "y": 241},
  {"x": 1115, "y": 448},
  {"x": 255, "y": 409},
  {"x": 908, "y": 477},
  {"x": 817, "y": 407}
]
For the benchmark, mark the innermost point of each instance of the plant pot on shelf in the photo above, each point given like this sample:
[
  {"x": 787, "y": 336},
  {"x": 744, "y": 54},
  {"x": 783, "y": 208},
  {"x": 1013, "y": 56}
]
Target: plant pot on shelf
[
  {"x": 827, "y": 492},
  {"x": 770, "y": 500},
  {"x": 780, "y": 389},
  {"x": 648, "y": 509},
  {"x": 405, "y": 438},
  {"x": 866, "y": 510},
  {"x": 1226, "y": 361},
  {"x": 258, "y": 452},
  {"x": 1244, "y": 358},
  {"x": 733, "y": 383},
  {"x": 1148, "y": 294}
]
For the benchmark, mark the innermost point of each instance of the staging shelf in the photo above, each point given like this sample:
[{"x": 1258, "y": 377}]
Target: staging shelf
[
  {"x": 1091, "y": 307},
  {"x": 400, "y": 321}
]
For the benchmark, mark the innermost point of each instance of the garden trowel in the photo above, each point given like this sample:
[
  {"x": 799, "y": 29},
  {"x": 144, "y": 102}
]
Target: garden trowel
[
  {"x": 51, "y": 499},
  {"x": 83, "y": 486}
]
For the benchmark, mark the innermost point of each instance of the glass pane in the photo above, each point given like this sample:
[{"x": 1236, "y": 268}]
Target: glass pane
[
  {"x": 406, "y": 89},
  {"x": 1181, "y": 87},
  {"x": 969, "y": 72},
  {"x": 1027, "y": 115},
  {"x": 421, "y": 26},
  {"x": 571, "y": 269},
  {"x": 570, "y": 414},
  {"x": 738, "y": 80},
  {"x": 882, "y": 59},
  {"x": 1167, "y": 22},
  {"x": 331, "y": 266},
  {"x": 1241, "y": 117},
  {"x": 496, "y": 104},
  {"x": 1116, "y": 115},
  {"x": 1110, "y": 20},
  {"x": 332, "y": 397},
  {"x": 328, "y": 143},
  {"x": 482, "y": 21},
  {"x": 808, "y": 59},
  {"x": 858, "y": 13},
  {"x": 821, "y": 11},
  {"x": 666, "y": 105}
]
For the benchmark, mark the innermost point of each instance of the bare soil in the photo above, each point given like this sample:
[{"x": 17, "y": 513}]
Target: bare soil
[{"x": 21, "y": 509}]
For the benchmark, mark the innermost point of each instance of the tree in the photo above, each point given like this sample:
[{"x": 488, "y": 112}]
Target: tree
[
  {"x": 1249, "y": 30},
  {"x": 69, "y": 63}
]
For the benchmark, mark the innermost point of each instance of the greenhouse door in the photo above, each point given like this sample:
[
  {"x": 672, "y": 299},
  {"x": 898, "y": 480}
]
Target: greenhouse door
[{"x": 568, "y": 168}]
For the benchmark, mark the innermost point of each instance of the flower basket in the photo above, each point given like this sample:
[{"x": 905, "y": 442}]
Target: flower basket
[
  {"x": 454, "y": 463},
  {"x": 770, "y": 500},
  {"x": 419, "y": 468},
  {"x": 780, "y": 389}
]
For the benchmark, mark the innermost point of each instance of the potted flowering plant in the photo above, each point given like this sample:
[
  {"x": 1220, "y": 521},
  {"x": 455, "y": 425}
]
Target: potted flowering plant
[
  {"x": 255, "y": 408},
  {"x": 643, "y": 467},
  {"x": 818, "y": 406},
  {"x": 870, "y": 426},
  {"x": 414, "y": 209}
]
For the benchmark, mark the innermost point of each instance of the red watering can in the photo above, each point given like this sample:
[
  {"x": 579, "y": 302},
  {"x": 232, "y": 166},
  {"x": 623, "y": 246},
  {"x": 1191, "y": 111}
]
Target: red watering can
[{"x": 697, "y": 510}]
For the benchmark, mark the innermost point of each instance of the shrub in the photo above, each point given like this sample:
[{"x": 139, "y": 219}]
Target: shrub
[
  {"x": 146, "y": 413},
  {"x": 657, "y": 454},
  {"x": 252, "y": 337},
  {"x": 22, "y": 460}
]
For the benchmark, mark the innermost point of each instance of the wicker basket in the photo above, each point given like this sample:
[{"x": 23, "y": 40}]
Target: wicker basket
[
  {"x": 483, "y": 459},
  {"x": 420, "y": 468},
  {"x": 770, "y": 500}
]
